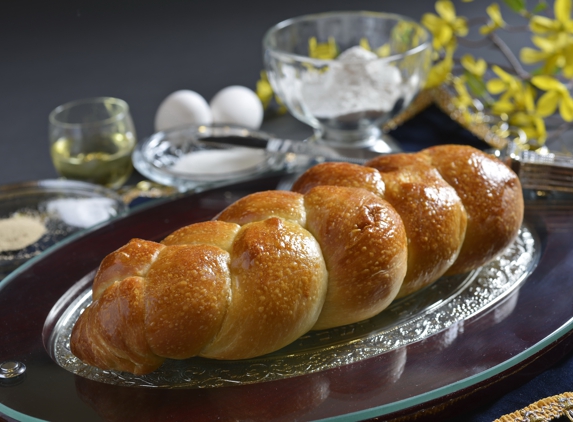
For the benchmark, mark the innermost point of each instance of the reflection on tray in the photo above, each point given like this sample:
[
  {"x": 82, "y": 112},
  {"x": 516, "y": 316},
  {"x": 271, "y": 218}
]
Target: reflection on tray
[
  {"x": 253, "y": 402},
  {"x": 257, "y": 402}
]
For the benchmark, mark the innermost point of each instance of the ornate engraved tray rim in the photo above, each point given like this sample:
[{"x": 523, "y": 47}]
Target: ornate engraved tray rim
[{"x": 443, "y": 306}]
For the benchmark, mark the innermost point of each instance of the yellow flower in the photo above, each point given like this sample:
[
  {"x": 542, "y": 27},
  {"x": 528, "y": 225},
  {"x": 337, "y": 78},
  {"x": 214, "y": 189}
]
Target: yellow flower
[
  {"x": 515, "y": 95},
  {"x": 521, "y": 99},
  {"x": 505, "y": 83},
  {"x": 568, "y": 58},
  {"x": 265, "y": 93},
  {"x": 264, "y": 90},
  {"x": 555, "y": 41},
  {"x": 556, "y": 94},
  {"x": 502, "y": 107},
  {"x": 463, "y": 99},
  {"x": 529, "y": 55},
  {"x": 365, "y": 44},
  {"x": 556, "y": 52},
  {"x": 532, "y": 125},
  {"x": 517, "y": 100},
  {"x": 383, "y": 50},
  {"x": 445, "y": 26},
  {"x": 563, "y": 23},
  {"x": 439, "y": 72},
  {"x": 496, "y": 20},
  {"x": 526, "y": 99},
  {"x": 475, "y": 67},
  {"x": 324, "y": 51}
]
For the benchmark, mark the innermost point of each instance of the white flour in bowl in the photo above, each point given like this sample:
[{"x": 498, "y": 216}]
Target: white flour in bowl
[{"x": 357, "y": 81}]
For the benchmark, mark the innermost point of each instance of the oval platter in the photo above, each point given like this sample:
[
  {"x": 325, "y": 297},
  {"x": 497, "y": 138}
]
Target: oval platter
[{"x": 441, "y": 372}]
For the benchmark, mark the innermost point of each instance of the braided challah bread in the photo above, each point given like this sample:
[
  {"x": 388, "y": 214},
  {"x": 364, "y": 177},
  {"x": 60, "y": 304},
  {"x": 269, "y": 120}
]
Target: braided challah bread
[
  {"x": 461, "y": 207},
  {"x": 336, "y": 250}
]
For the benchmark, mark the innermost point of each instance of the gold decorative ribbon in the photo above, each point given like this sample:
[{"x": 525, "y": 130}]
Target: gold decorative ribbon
[{"x": 546, "y": 409}]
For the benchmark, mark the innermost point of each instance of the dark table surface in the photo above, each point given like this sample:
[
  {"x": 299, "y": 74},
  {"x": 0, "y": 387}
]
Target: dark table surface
[{"x": 141, "y": 51}]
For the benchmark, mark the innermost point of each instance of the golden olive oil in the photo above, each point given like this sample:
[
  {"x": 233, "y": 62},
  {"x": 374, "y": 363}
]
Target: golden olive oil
[{"x": 102, "y": 159}]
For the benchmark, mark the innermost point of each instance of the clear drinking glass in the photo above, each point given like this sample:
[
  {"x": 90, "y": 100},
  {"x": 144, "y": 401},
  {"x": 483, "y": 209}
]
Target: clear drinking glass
[
  {"x": 348, "y": 98},
  {"x": 92, "y": 140}
]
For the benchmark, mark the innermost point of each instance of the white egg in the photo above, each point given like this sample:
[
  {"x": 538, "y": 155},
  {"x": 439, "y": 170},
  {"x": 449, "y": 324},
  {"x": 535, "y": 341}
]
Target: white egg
[
  {"x": 182, "y": 108},
  {"x": 237, "y": 105}
]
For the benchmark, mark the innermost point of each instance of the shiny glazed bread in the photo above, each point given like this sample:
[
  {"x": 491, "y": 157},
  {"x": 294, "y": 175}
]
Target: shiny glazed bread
[
  {"x": 338, "y": 249},
  {"x": 461, "y": 207}
]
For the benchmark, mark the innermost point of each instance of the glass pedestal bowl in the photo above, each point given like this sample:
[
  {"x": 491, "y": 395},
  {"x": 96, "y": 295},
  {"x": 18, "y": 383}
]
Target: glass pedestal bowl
[{"x": 375, "y": 65}]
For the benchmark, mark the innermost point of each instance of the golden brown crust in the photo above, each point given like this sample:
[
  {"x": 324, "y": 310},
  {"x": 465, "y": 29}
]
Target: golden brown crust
[
  {"x": 332, "y": 215},
  {"x": 492, "y": 196},
  {"x": 430, "y": 209},
  {"x": 433, "y": 215},
  {"x": 186, "y": 297},
  {"x": 215, "y": 233},
  {"x": 258, "y": 206},
  {"x": 133, "y": 259},
  {"x": 340, "y": 174},
  {"x": 364, "y": 245},
  {"x": 110, "y": 334},
  {"x": 276, "y": 264},
  {"x": 279, "y": 283}
]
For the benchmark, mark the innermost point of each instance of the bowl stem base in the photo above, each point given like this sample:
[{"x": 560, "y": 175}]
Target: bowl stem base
[{"x": 367, "y": 149}]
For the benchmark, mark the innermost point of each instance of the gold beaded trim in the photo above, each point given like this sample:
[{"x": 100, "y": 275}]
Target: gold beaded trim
[
  {"x": 442, "y": 97},
  {"x": 422, "y": 100},
  {"x": 543, "y": 410},
  {"x": 477, "y": 125}
]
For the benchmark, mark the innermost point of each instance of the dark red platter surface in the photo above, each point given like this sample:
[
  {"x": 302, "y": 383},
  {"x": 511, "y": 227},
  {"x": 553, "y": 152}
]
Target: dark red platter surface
[{"x": 497, "y": 349}]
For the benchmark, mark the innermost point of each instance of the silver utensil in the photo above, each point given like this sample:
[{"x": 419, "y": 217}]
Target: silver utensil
[{"x": 307, "y": 151}]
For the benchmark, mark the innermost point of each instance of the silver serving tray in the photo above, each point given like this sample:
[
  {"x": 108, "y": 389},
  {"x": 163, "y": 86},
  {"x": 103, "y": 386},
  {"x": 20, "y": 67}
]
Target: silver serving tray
[{"x": 440, "y": 309}]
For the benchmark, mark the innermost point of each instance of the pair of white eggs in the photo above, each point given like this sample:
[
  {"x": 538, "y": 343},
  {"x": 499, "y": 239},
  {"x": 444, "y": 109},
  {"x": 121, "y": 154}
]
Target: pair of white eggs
[{"x": 235, "y": 105}]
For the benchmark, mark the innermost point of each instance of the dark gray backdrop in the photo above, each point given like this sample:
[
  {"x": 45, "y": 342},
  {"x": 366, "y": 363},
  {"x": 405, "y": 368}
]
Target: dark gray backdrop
[{"x": 140, "y": 51}]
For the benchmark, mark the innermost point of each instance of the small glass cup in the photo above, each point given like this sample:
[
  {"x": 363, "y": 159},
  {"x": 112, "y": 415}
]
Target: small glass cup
[{"x": 92, "y": 140}]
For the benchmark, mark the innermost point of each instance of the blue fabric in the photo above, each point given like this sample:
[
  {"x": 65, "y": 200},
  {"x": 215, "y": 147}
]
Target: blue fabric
[
  {"x": 556, "y": 380},
  {"x": 433, "y": 127}
]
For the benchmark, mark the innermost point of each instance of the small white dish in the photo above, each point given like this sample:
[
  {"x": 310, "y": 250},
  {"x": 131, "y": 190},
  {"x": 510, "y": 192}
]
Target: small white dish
[
  {"x": 199, "y": 157},
  {"x": 38, "y": 214}
]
